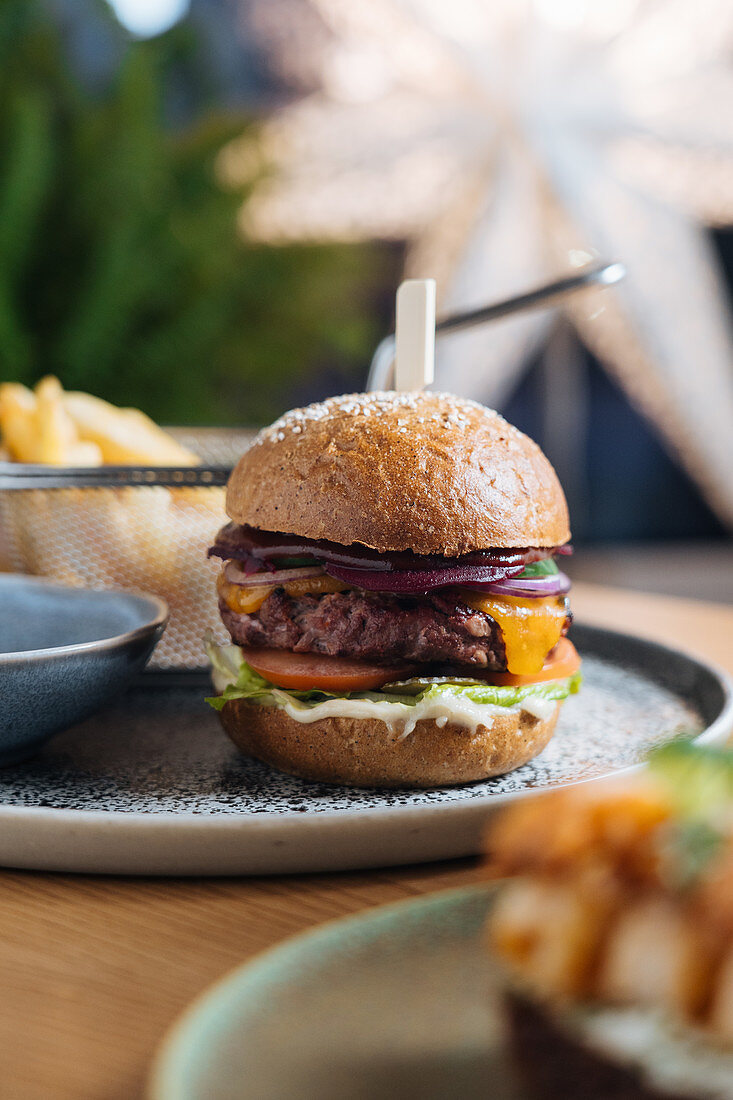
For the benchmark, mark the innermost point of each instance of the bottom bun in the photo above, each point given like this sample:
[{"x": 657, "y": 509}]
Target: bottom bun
[{"x": 365, "y": 752}]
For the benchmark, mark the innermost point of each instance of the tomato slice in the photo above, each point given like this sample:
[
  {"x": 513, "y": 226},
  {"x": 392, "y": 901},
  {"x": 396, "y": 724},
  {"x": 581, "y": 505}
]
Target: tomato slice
[
  {"x": 312, "y": 670},
  {"x": 561, "y": 661}
]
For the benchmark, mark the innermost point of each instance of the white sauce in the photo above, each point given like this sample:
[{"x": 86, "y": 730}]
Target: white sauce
[
  {"x": 538, "y": 706},
  {"x": 401, "y": 718}
]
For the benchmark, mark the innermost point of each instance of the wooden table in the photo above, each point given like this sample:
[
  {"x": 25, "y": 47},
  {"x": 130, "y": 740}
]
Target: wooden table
[{"x": 94, "y": 970}]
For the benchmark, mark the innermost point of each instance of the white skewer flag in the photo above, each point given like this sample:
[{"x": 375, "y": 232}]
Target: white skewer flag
[{"x": 415, "y": 334}]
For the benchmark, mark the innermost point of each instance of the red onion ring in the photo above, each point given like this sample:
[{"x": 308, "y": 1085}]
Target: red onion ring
[
  {"x": 239, "y": 542},
  {"x": 417, "y": 581},
  {"x": 489, "y": 579},
  {"x": 252, "y": 565},
  {"x": 235, "y": 575},
  {"x": 235, "y": 542},
  {"x": 557, "y": 584}
]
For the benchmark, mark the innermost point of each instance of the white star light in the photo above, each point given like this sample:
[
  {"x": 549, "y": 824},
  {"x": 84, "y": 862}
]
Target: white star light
[{"x": 499, "y": 136}]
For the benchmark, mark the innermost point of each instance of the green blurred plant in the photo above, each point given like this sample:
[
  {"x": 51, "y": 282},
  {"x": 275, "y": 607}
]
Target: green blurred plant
[{"x": 121, "y": 270}]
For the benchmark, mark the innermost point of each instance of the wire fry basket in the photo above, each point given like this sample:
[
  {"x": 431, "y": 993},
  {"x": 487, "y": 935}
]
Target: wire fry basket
[{"x": 137, "y": 527}]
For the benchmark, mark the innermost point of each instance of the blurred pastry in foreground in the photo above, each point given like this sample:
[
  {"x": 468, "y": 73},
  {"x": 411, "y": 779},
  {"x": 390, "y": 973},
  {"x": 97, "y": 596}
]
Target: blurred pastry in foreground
[
  {"x": 615, "y": 932},
  {"x": 51, "y": 426}
]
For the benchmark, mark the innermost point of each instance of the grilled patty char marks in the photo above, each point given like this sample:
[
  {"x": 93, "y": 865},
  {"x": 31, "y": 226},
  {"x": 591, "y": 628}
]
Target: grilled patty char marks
[{"x": 373, "y": 626}]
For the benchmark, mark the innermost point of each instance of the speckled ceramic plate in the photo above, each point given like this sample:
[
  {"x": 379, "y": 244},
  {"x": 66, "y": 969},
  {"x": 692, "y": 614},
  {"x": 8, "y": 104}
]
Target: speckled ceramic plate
[
  {"x": 153, "y": 786},
  {"x": 394, "y": 1003}
]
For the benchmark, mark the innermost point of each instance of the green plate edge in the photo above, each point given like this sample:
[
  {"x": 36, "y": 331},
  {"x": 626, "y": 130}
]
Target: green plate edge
[{"x": 177, "y": 1068}]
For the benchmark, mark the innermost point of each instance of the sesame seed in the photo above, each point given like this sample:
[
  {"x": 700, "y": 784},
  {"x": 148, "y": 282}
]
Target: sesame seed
[{"x": 449, "y": 411}]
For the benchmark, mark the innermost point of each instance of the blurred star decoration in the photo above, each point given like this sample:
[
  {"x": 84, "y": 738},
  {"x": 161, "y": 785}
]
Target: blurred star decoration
[{"x": 506, "y": 140}]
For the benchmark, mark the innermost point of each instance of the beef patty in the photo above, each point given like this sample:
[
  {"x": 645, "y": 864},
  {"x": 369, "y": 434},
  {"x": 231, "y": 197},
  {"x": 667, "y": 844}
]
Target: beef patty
[{"x": 373, "y": 626}]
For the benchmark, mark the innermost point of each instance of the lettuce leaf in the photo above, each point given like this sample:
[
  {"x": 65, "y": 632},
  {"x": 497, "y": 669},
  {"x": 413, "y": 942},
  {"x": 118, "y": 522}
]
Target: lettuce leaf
[
  {"x": 547, "y": 567},
  {"x": 505, "y": 696},
  {"x": 237, "y": 680}
]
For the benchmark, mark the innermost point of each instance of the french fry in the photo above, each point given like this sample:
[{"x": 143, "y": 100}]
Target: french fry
[
  {"x": 57, "y": 433},
  {"x": 76, "y": 429},
  {"x": 84, "y": 453},
  {"x": 36, "y": 428},
  {"x": 124, "y": 436},
  {"x": 18, "y": 422}
]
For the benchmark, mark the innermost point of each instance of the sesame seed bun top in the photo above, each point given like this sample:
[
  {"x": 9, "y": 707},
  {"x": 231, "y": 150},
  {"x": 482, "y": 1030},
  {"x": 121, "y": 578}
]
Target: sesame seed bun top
[{"x": 428, "y": 472}]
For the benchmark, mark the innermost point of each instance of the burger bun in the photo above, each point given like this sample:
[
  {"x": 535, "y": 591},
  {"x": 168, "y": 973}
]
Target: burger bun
[
  {"x": 364, "y": 752},
  {"x": 427, "y": 472}
]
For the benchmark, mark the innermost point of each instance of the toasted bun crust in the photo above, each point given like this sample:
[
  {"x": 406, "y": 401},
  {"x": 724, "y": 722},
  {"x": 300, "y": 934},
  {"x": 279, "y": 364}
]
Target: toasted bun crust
[
  {"x": 362, "y": 752},
  {"x": 427, "y": 472}
]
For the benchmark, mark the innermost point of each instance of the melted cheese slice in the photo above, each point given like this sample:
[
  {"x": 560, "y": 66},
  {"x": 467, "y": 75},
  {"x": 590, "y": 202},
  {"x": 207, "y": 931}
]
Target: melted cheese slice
[
  {"x": 246, "y": 601},
  {"x": 530, "y": 628}
]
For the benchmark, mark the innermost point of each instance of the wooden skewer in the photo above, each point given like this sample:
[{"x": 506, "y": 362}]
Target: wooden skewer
[{"x": 415, "y": 334}]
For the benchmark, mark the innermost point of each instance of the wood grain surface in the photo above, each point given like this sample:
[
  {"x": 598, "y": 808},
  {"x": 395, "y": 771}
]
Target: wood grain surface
[{"x": 94, "y": 970}]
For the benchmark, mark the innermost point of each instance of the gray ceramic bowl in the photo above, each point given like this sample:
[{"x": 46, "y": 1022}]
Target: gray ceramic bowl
[{"x": 64, "y": 652}]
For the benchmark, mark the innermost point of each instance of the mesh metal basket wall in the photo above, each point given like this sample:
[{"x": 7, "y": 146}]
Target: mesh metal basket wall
[{"x": 142, "y": 528}]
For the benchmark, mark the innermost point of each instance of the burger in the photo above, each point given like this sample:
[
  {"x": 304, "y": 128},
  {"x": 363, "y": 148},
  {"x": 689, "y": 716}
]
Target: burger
[{"x": 391, "y": 589}]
